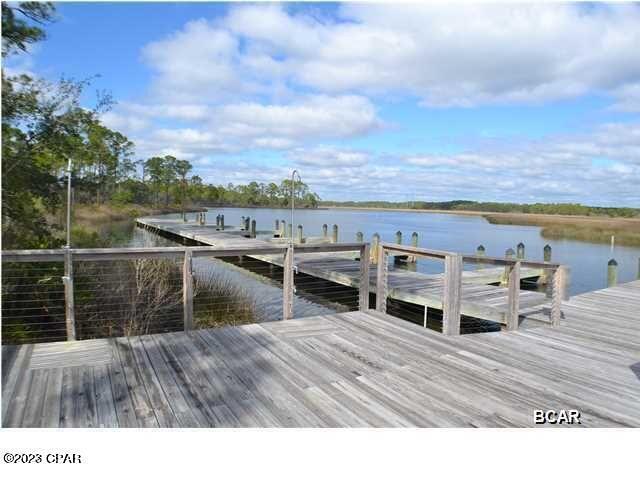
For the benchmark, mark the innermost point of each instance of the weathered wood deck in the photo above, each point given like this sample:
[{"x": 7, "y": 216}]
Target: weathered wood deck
[
  {"x": 479, "y": 299},
  {"x": 353, "y": 369}
]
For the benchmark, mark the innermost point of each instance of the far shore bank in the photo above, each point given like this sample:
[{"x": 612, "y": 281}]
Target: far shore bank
[{"x": 594, "y": 228}]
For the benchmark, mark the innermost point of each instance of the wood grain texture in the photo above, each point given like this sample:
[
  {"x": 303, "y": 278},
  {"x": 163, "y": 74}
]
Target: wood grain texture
[{"x": 356, "y": 369}]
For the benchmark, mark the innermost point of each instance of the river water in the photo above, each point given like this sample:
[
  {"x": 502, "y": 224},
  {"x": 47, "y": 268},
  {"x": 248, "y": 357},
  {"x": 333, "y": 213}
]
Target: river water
[{"x": 460, "y": 233}]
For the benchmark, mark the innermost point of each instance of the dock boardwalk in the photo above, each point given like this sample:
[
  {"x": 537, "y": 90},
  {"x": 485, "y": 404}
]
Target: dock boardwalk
[
  {"x": 343, "y": 370},
  {"x": 481, "y": 297}
]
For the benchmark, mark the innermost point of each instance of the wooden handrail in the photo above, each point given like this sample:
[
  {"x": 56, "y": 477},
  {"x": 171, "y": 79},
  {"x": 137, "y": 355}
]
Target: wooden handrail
[{"x": 69, "y": 255}]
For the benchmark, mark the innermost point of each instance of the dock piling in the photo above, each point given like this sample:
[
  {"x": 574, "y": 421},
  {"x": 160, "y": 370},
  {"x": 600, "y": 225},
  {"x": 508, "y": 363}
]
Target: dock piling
[
  {"x": 547, "y": 253},
  {"x": 414, "y": 243},
  {"x": 276, "y": 229},
  {"x": 375, "y": 245},
  {"x": 300, "y": 237},
  {"x": 520, "y": 251},
  {"x": 253, "y": 228},
  {"x": 612, "y": 273},
  {"x": 399, "y": 237},
  {"x": 480, "y": 252},
  {"x": 221, "y": 222},
  {"x": 335, "y": 234},
  {"x": 324, "y": 231},
  {"x": 359, "y": 237},
  {"x": 290, "y": 231}
]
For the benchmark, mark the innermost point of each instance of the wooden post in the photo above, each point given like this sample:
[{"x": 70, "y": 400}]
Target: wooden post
[
  {"x": 253, "y": 228},
  {"x": 276, "y": 230},
  {"x": 290, "y": 232},
  {"x": 300, "y": 237},
  {"x": 520, "y": 251},
  {"x": 363, "y": 293},
  {"x": 247, "y": 224},
  {"x": 381, "y": 280},
  {"x": 452, "y": 295},
  {"x": 509, "y": 256},
  {"x": 187, "y": 290},
  {"x": 334, "y": 239},
  {"x": 359, "y": 237},
  {"x": 287, "y": 284},
  {"x": 218, "y": 221},
  {"x": 283, "y": 227},
  {"x": 513, "y": 309},
  {"x": 375, "y": 245},
  {"x": 324, "y": 231},
  {"x": 69, "y": 304},
  {"x": 414, "y": 243},
  {"x": 480, "y": 252},
  {"x": 547, "y": 253},
  {"x": 204, "y": 218},
  {"x": 612, "y": 273},
  {"x": 399, "y": 237},
  {"x": 558, "y": 293},
  {"x": 221, "y": 222}
]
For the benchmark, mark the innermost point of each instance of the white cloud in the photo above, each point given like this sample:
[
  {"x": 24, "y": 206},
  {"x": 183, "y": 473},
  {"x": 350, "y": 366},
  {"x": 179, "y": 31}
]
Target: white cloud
[
  {"x": 328, "y": 156},
  {"x": 459, "y": 54}
]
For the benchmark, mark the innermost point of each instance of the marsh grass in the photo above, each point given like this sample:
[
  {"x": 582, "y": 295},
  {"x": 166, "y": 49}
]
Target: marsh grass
[
  {"x": 586, "y": 229},
  {"x": 218, "y": 301}
]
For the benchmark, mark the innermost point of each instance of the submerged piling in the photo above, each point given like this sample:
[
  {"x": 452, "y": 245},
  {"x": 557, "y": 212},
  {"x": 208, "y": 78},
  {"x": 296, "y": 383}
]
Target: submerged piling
[{"x": 612, "y": 273}]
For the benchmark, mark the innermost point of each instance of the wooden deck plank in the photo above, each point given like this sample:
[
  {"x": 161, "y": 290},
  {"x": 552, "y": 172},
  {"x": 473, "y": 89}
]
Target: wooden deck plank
[{"x": 342, "y": 370}]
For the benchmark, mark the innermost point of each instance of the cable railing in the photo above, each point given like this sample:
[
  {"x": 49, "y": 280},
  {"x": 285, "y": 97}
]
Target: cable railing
[
  {"x": 72, "y": 294},
  {"x": 450, "y": 291}
]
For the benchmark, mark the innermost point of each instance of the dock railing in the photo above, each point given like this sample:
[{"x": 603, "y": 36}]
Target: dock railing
[
  {"x": 56, "y": 292},
  {"x": 452, "y": 288}
]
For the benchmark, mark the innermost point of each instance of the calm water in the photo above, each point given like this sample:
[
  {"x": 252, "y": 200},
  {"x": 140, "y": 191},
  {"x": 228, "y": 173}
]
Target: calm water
[{"x": 460, "y": 233}]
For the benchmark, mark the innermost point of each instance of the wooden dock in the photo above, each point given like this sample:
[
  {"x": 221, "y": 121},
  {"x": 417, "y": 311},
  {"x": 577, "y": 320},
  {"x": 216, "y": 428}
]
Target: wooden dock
[
  {"x": 353, "y": 369},
  {"x": 482, "y": 295}
]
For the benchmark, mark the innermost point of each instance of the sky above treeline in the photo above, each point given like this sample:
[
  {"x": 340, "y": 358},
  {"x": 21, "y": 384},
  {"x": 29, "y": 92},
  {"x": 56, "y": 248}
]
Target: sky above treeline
[{"x": 502, "y": 102}]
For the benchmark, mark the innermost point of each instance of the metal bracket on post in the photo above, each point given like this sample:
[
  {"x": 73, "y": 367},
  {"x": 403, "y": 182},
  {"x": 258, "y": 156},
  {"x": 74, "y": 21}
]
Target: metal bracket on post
[
  {"x": 187, "y": 290},
  {"x": 69, "y": 309}
]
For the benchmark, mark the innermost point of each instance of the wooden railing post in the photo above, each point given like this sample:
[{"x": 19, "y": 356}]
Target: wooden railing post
[
  {"x": 452, "y": 294},
  {"x": 187, "y": 290},
  {"x": 381, "y": 279},
  {"x": 287, "y": 284},
  {"x": 69, "y": 305},
  {"x": 558, "y": 293},
  {"x": 363, "y": 297},
  {"x": 513, "y": 285}
]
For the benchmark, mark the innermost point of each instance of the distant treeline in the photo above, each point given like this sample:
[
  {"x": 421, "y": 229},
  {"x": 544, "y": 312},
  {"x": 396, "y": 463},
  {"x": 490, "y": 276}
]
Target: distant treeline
[{"x": 471, "y": 206}]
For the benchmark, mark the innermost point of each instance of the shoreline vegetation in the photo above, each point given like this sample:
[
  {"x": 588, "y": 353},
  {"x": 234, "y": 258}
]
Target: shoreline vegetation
[{"x": 587, "y": 228}]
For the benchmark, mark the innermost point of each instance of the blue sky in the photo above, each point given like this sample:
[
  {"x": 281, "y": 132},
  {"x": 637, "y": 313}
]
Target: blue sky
[{"x": 504, "y": 102}]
